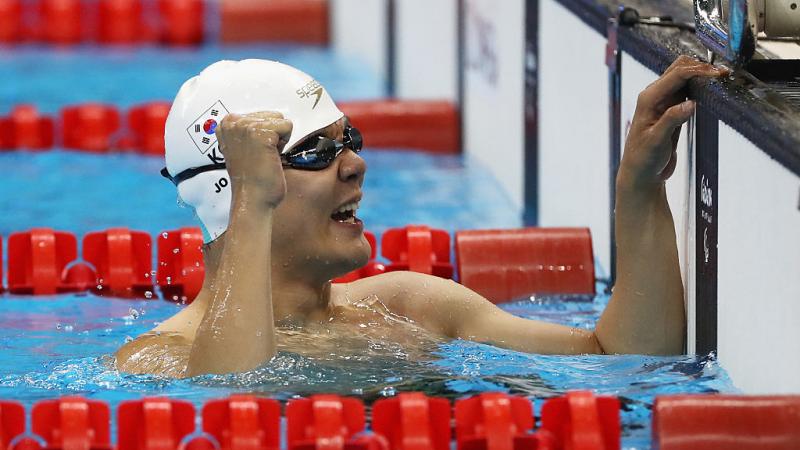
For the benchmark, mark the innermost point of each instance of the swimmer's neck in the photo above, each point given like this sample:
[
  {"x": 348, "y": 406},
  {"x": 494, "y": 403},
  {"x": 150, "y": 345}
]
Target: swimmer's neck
[
  {"x": 294, "y": 303},
  {"x": 297, "y": 302},
  {"x": 298, "y": 297}
]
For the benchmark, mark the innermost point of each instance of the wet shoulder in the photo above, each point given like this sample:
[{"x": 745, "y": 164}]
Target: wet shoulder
[
  {"x": 394, "y": 289},
  {"x": 423, "y": 298}
]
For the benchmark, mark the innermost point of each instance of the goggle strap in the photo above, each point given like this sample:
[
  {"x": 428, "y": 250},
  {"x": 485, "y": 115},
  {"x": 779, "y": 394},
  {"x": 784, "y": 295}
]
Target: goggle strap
[{"x": 191, "y": 172}]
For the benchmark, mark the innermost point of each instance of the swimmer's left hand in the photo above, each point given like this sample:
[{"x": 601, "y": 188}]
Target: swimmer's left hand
[{"x": 650, "y": 150}]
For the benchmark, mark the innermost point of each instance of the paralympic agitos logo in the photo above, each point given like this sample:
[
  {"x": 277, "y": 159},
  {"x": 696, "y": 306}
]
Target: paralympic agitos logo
[{"x": 310, "y": 90}]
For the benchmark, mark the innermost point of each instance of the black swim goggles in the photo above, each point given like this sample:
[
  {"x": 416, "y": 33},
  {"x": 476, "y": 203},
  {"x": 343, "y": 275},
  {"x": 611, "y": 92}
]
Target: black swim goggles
[
  {"x": 318, "y": 152},
  {"x": 314, "y": 153}
]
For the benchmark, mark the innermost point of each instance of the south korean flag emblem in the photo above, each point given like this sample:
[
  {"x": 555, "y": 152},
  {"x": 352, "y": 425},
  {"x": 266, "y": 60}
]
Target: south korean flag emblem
[{"x": 202, "y": 130}]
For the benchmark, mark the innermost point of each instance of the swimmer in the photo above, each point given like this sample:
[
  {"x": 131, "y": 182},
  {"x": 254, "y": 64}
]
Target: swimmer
[{"x": 278, "y": 199}]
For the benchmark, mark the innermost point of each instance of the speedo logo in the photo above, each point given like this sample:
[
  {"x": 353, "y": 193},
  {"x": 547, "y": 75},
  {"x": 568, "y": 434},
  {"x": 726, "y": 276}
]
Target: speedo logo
[{"x": 311, "y": 90}]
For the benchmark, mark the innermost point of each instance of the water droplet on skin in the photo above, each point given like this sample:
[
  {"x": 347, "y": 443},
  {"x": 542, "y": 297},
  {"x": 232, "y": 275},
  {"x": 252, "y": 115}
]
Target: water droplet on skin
[{"x": 128, "y": 339}]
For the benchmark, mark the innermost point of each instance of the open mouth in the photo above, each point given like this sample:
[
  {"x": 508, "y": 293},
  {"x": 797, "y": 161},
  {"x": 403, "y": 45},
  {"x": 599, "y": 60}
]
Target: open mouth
[{"x": 346, "y": 213}]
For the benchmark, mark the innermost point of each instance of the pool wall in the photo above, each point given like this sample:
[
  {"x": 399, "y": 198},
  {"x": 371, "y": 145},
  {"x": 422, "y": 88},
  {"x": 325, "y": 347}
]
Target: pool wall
[
  {"x": 411, "y": 43},
  {"x": 544, "y": 86},
  {"x": 734, "y": 195}
]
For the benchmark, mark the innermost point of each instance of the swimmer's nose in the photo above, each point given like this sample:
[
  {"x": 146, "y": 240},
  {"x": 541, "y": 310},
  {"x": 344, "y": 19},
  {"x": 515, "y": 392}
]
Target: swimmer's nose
[{"x": 352, "y": 167}]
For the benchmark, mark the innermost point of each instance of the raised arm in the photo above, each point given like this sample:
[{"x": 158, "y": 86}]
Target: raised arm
[
  {"x": 237, "y": 332},
  {"x": 646, "y": 313}
]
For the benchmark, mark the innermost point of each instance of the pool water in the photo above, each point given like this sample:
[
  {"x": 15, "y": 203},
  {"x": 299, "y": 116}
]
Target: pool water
[
  {"x": 57, "y": 345},
  {"x": 53, "y": 78}
]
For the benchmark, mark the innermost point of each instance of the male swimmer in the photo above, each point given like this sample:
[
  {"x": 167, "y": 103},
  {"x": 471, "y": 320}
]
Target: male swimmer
[{"x": 279, "y": 215}]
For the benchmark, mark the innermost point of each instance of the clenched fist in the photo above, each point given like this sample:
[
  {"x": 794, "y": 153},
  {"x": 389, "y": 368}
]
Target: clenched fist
[{"x": 251, "y": 144}]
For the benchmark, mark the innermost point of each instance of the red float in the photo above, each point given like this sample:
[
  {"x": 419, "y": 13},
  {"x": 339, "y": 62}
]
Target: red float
[
  {"x": 244, "y": 422},
  {"x": 10, "y": 20},
  {"x": 60, "y": 21},
  {"x": 146, "y": 124},
  {"x": 494, "y": 421},
  {"x": 200, "y": 443},
  {"x": 432, "y": 126},
  {"x": 89, "y": 126},
  {"x": 30, "y": 130},
  {"x": 412, "y": 421},
  {"x": 122, "y": 259},
  {"x": 506, "y": 265},
  {"x": 180, "y": 264},
  {"x": 181, "y": 21},
  {"x": 120, "y": 21},
  {"x": 581, "y": 421},
  {"x": 323, "y": 422},
  {"x": 418, "y": 248},
  {"x": 78, "y": 277},
  {"x": 153, "y": 423},
  {"x": 36, "y": 261},
  {"x": 371, "y": 268},
  {"x": 72, "y": 423},
  {"x": 724, "y": 422},
  {"x": 12, "y": 421},
  {"x": 6, "y": 135},
  {"x": 291, "y": 21}
]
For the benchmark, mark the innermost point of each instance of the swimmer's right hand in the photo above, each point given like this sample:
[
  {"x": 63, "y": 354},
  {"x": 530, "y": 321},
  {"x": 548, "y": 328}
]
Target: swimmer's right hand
[{"x": 251, "y": 144}]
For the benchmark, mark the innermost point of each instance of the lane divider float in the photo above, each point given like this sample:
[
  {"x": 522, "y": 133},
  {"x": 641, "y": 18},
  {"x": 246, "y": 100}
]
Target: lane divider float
[
  {"x": 577, "y": 420},
  {"x": 409, "y": 421},
  {"x": 430, "y": 126},
  {"x": 118, "y": 261}
]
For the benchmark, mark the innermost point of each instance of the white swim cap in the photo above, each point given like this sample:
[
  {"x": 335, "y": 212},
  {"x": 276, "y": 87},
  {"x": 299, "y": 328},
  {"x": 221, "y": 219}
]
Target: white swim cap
[{"x": 193, "y": 157}]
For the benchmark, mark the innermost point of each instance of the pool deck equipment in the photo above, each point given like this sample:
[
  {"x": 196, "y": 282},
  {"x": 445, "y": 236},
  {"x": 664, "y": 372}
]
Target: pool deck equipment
[{"x": 731, "y": 29}]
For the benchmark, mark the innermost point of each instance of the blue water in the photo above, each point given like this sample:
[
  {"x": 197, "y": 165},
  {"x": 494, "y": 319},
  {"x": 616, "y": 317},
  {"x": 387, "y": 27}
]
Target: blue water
[
  {"x": 60, "y": 345},
  {"x": 53, "y": 78},
  {"x": 50, "y": 346}
]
